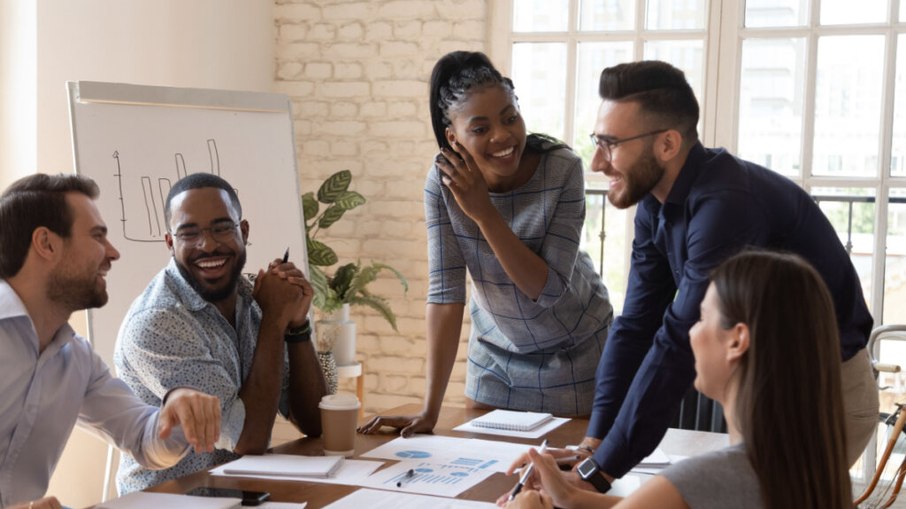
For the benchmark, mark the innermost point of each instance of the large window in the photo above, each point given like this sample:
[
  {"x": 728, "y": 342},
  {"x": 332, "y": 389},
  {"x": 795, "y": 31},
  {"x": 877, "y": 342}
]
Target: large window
[{"x": 813, "y": 89}]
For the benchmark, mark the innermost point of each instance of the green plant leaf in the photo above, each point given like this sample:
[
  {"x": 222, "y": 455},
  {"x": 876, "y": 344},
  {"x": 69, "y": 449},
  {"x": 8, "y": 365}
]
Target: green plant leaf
[
  {"x": 369, "y": 273},
  {"x": 318, "y": 284},
  {"x": 342, "y": 278},
  {"x": 379, "y": 304},
  {"x": 334, "y": 186},
  {"x": 320, "y": 254},
  {"x": 309, "y": 206},
  {"x": 331, "y": 215},
  {"x": 349, "y": 200}
]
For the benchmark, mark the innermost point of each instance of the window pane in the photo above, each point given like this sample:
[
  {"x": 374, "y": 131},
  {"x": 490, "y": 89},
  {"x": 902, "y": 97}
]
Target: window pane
[
  {"x": 539, "y": 74},
  {"x": 848, "y": 12},
  {"x": 540, "y": 15},
  {"x": 898, "y": 147},
  {"x": 895, "y": 270},
  {"x": 687, "y": 55},
  {"x": 848, "y": 105},
  {"x": 902, "y": 11},
  {"x": 612, "y": 251},
  {"x": 776, "y": 13},
  {"x": 593, "y": 57},
  {"x": 852, "y": 212},
  {"x": 771, "y": 89},
  {"x": 676, "y": 14},
  {"x": 600, "y": 15}
]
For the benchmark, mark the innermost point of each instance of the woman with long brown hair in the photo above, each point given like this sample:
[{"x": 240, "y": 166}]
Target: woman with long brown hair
[{"x": 762, "y": 347}]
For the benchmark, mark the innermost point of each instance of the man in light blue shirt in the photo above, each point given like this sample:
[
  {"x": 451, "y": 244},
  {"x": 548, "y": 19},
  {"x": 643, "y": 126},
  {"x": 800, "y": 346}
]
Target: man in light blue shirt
[{"x": 54, "y": 260}]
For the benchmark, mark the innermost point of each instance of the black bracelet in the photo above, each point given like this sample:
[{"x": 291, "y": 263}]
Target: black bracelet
[{"x": 300, "y": 334}]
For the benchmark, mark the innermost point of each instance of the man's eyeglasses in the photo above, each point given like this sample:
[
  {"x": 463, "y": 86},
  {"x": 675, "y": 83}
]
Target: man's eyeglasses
[
  {"x": 608, "y": 144},
  {"x": 221, "y": 231}
]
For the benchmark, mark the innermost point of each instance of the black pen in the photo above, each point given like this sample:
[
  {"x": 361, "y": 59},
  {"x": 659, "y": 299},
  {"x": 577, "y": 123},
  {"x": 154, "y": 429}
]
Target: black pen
[
  {"x": 409, "y": 475},
  {"x": 525, "y": 475},
  {"x": 286, "y": 255}
]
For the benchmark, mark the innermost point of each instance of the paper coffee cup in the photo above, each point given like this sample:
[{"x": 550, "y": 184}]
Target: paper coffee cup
[{"x": 339, "y": 415}]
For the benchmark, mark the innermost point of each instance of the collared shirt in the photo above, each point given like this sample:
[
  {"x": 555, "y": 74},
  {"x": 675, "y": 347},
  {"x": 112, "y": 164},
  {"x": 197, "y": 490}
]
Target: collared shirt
[
  {"x": 44, "y": 395},
  {"x": 524, "y": 354},
  {"x": 718, "y": 206},
  {"x": 172, "y": 337}
]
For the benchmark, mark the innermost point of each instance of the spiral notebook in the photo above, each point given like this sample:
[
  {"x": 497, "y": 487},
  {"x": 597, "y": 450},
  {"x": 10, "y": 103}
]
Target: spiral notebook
[
  {"x": 285, "y": 465},
  {"x": 512, "y": 420}
]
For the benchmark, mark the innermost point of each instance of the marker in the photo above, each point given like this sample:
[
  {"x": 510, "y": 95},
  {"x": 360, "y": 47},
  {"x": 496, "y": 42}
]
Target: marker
[
  {"x": 286, "y": 255},
  {"x": 525, "y": 475},
  {"x": 409, "y": 475}
]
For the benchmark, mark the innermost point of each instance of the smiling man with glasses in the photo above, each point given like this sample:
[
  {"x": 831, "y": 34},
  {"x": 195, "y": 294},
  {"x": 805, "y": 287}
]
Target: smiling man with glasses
[
  {"x": 696, "y": 207},
  {"x": 200, "y": 323}
]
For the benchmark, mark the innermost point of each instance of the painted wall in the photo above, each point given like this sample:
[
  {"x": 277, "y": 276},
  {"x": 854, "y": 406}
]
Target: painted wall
[
  {"x": 44, "y": 43},
  {"x": 357, "y": 73}
]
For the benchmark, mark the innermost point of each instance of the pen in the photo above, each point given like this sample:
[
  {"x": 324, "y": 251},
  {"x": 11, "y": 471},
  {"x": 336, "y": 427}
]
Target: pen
[
  {"x": 525, "y": 475},
  {"x": 286, "y": 255},
  {"x": 565, "y": 460},
  {"x": 410, "y": 474}
]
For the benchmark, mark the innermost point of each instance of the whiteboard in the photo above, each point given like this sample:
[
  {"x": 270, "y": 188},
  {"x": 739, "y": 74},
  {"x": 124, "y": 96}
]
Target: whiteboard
[{"x": 135, "y": 141}]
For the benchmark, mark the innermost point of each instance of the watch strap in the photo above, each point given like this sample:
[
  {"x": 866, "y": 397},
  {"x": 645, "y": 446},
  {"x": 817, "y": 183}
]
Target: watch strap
[
  {"x": 595, "y": 477},
  {"x": 298, "y": 334}
]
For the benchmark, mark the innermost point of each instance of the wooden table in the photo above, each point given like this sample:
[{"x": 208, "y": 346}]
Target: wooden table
[{"x": 677, "y": 442}]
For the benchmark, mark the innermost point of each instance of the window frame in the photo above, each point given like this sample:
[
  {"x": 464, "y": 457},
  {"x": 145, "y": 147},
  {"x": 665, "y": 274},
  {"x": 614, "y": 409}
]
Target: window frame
[{"x": 723, "y": 42}]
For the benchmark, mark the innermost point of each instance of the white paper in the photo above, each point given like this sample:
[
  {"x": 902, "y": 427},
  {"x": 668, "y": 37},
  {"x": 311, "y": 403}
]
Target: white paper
[
  {"x": 492, "y": 454},
  {"x": 145, "y": 500},
  {"x": 351, "y": 472},
  {"x": 641, "y": 468},
  {"x": 429, "y": 477},
  {"x": 284, "y": 465},
  {"x": 625, "y": 485},
  {"x": 377, "y": 499},
  {"x": 283, "y": 505},
  {"x": 542, "y": 430},
  {"x": 656, "y": 458}
]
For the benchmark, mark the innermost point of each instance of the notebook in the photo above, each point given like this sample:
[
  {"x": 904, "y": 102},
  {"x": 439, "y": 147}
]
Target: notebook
[
  {"x": 512, "y": 420},
  {"x": 285, "y": 465}
]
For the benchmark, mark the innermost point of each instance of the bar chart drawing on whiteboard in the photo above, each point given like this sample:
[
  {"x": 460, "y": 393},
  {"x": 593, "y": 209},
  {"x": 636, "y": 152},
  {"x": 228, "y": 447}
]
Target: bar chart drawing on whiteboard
[{"x": 143, "y": 220}]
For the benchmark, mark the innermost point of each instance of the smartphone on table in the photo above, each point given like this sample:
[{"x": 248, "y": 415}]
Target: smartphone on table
[{"x": 248, "y": 498}]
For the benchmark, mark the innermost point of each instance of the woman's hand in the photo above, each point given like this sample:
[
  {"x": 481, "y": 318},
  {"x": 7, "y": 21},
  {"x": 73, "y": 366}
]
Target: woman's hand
[
  {"x": 531, "y": 499},
  {"x": 564, "y": 457},
  {"x": 462, "y": 176},
  {"x": 407, "y": 425}
]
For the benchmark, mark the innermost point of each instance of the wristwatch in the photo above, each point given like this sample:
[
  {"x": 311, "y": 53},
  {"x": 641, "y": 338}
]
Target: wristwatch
[
  {"x": 298, "y": 335},
  {"x": 589, "y": 471}
]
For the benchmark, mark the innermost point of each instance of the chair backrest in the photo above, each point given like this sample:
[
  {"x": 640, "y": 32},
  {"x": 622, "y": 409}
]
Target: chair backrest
[{"x": 700, "y": 413}]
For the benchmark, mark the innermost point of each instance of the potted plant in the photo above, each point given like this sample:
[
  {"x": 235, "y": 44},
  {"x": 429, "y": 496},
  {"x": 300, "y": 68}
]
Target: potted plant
[{"x": 348, "y": 286}]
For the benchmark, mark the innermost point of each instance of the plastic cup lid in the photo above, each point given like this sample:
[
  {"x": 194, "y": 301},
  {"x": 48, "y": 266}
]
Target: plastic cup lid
[{"x": 339, "y": 401}]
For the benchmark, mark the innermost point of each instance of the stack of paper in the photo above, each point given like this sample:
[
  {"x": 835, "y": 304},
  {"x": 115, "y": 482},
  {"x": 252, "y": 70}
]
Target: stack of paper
[
  {"x": 512, "y": 420},
  {"x": 284, "y": 465}
]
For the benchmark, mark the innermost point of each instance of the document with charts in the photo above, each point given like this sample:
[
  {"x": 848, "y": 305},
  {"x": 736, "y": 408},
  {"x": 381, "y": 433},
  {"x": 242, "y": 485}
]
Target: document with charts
[{"x": 494, "y": 455}]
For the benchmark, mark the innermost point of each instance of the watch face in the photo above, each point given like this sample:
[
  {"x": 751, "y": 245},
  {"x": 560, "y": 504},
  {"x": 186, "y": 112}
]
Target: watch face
[{"x": 586, "y": 468}]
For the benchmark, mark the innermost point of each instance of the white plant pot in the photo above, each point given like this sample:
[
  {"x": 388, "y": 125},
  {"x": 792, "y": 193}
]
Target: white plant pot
[{"x": 339, "y": 331}]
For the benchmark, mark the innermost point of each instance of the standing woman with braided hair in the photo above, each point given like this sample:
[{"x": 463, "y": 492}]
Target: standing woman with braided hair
[{"x": 508, "y": 208}]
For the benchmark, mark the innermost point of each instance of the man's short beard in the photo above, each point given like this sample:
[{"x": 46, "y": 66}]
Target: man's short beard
[
  {"x": 638, "y": 181},
  {"x": 222, "y": 293},
  {"x": 75, "y": 293}
]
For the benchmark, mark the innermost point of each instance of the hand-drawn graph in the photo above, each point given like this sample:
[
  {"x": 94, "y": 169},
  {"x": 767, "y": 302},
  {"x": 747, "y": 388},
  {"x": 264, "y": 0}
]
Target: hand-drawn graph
[{"x": 144, "y": 222}]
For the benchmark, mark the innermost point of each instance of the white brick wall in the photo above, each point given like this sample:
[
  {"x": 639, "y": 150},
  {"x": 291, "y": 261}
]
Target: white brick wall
[{"x": 357, "y": 72}]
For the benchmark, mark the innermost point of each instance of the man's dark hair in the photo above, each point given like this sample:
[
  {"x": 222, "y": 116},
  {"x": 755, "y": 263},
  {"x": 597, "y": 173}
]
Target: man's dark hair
[
  {"x": 198, "y": 181},
  {"x": 661, "y": 90},
  {"x": 30, "y": 203}
]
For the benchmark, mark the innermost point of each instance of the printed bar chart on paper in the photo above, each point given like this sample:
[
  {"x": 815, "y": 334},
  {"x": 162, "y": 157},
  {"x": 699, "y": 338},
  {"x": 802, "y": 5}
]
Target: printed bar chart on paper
[{"x": 428, "y": 477}]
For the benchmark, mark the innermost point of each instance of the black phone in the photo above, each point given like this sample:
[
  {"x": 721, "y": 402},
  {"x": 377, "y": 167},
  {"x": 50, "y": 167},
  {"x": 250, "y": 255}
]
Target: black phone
[{"x": 248, "y": 497}]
